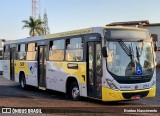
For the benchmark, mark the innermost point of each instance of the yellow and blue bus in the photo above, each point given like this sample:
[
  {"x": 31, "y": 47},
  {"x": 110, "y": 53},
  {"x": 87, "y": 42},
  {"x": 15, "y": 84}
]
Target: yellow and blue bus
[{"x": 105, "y": 63}]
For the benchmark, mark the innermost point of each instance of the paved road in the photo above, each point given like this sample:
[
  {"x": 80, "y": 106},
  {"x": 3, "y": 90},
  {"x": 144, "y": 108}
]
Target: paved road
[{"x": 11, "y": 95}]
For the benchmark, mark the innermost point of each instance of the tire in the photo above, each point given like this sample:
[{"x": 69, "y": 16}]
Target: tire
[
  {"x": 23, "y": 82},
  {"x": 74, "y": 92}
]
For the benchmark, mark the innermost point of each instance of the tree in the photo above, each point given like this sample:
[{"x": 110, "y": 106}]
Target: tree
[{"x": 35, "y": 26}]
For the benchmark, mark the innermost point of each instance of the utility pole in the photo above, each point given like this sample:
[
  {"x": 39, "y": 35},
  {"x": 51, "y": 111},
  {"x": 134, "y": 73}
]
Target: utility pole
[
  {"x": 45, "y": 25},
  {"x": 36, "y": 14},
  {"x": 36, "y": 8}
]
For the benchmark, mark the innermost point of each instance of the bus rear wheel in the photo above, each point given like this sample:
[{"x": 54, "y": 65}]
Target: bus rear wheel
[
  {"x": 74, "y": 92},
  {"x": 23, "y": 81}
]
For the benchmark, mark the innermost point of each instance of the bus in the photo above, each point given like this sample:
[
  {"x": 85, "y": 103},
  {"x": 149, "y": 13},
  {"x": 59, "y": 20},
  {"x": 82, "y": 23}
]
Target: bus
[{"x": 111, "y": 63}]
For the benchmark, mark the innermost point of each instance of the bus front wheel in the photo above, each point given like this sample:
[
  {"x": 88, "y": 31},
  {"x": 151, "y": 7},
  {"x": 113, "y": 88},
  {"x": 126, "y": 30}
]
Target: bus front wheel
[{"x": 74, "y": 91}]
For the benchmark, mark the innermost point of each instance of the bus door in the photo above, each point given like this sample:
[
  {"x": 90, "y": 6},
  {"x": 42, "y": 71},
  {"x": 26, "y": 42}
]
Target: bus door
[
  {"x": 94, "y": 69},
  {"x": 12, "y": 57},
  {"x": 42, "y": 51}
]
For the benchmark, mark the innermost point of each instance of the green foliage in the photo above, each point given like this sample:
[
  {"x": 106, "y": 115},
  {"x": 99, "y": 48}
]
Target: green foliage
[{"x": 35, "y": 26}]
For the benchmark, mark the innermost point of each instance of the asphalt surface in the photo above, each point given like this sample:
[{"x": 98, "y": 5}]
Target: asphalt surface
[{"x": 11, "y": 95}]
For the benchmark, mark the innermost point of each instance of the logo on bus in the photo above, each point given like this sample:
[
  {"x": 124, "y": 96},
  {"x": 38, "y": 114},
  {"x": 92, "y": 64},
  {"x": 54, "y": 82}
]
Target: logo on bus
[
  {"x": 138, "y": 70},
  {"x": 31, "y": 70}
]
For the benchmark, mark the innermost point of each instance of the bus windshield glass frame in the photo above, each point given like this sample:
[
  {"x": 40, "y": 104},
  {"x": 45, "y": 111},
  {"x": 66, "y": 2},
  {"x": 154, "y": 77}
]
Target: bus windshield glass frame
[
  {"x": 138, "y": 62},
  {"x": 129, "y": 54}
]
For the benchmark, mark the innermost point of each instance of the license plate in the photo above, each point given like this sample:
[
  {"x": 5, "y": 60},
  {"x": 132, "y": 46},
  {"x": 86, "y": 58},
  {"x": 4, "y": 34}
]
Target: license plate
[{"x": 135, "y": 97}]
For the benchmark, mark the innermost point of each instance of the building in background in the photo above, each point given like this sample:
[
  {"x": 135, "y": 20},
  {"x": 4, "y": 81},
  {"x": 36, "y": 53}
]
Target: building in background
[{"x": 154, "y": 29}]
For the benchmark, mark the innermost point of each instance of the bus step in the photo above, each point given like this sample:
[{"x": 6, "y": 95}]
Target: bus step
[{"x": 42, "y": 88}]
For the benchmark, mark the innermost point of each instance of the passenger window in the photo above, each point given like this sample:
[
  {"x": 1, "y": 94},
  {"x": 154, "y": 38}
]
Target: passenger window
[
  {"x": 22, "y": 47},
  {"x": 32, "y": 51},
  {"x": 74, "y": 49},
  {"x": 56, "y": 50},
  {"x": 21, "y": 52},
  {"x": 6, "y": 52}
]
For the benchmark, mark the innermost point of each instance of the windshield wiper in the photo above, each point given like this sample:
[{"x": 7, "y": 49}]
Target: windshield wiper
[
  {"x": 127, "y": 50},
  {"x": 138, "y": 54}
]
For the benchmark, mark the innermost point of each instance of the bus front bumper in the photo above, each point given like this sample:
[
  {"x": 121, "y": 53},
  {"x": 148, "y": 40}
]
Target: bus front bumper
[{"x": 114, "y": 95}]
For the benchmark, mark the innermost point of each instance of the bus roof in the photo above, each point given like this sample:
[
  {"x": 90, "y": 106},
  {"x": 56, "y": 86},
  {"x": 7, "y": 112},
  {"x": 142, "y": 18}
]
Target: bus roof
[
  {"x": 69, "y": 33},
  {"x": 86, "y": 31},
  {"x": 124, "y": 27},
  {"x": 28, "y": 39}
]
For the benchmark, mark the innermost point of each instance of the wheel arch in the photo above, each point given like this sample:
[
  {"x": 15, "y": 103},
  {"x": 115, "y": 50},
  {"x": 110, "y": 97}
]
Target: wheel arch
[
  {"x": 20, "y": 73},
  {"x": 69, "y": 81}
]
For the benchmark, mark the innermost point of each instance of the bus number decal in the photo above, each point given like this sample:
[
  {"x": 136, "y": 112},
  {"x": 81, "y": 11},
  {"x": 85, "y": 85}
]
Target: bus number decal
[{"x": 21, "y": 63}]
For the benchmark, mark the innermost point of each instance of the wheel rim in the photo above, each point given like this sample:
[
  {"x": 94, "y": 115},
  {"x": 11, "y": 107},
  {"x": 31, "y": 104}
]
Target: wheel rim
[{"x": 75, "y": 93}]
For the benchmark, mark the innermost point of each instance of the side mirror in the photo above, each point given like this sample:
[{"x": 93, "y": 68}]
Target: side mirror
[
  {"x": 155, "y": 47},
  {"x": 104, "y": 52}
]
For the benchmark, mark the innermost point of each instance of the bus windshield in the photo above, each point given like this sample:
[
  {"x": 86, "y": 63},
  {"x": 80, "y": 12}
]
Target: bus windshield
[{"x": 130, "y": 58}]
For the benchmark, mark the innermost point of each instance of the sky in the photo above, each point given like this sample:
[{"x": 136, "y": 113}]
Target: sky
[{"x": 67, "y": 15}]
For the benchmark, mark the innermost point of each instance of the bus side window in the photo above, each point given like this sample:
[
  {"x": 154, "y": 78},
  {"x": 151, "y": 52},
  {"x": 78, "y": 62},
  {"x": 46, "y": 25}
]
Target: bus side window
[
  {"x": 74, "y": 49},
  {"x": 6, "y": 52},
  {"x": 31, "y": 51},
  {"x": 22, "y": 51},
  {"x": 56, "y": 50}
]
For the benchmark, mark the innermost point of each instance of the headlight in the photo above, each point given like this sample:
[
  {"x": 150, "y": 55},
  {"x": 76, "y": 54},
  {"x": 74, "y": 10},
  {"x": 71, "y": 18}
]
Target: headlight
[{"x": 111, "y": 84}]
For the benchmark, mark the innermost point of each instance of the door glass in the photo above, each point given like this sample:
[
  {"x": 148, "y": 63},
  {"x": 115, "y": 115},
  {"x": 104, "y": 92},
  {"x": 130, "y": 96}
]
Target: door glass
[
  {"x": 95, "y": 69},
  {"x": 44, "y": 65},
  {"x": 91, "y": 68},
  {"x": 90, "y": 57},
  {"x": 41, "y": 55},
  {"x": 98, "y": 69},
  {"x": 98, "y": 59},
  {"x": 41, "y": 65}
]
